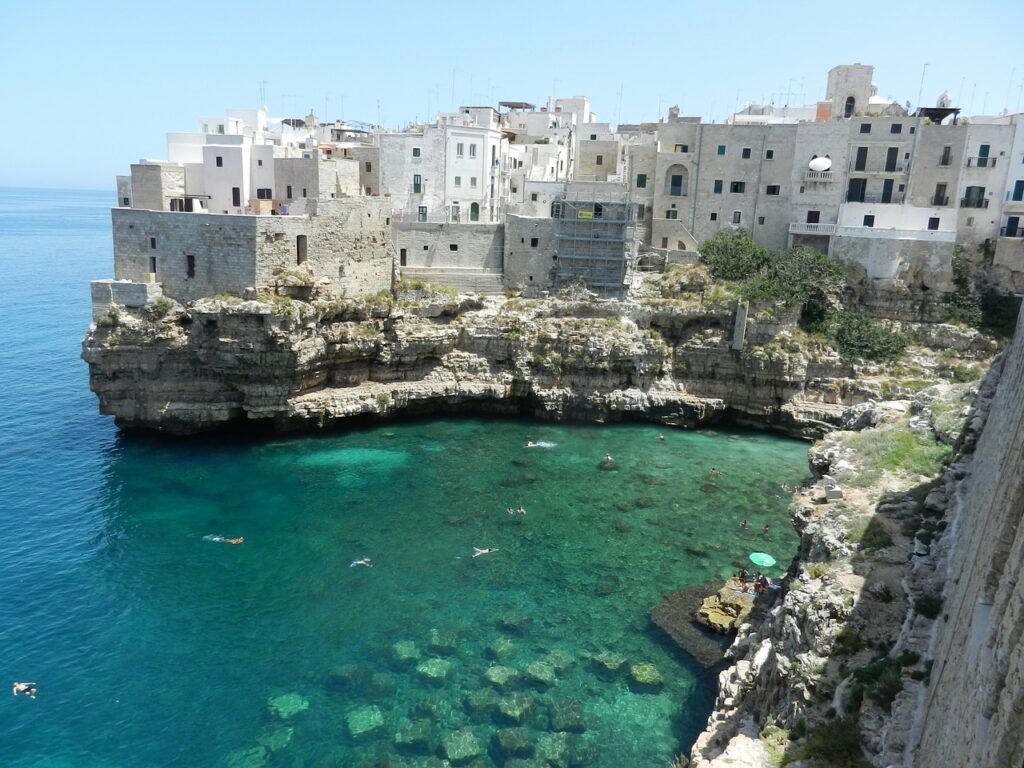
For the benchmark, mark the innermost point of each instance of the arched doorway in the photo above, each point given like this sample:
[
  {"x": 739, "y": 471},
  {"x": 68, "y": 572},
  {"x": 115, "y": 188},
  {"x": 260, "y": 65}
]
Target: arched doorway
[
  {"x": 474, "y": 212},
  {"x": 677, "y": 179},
  {"x": 851, "y": 104}
]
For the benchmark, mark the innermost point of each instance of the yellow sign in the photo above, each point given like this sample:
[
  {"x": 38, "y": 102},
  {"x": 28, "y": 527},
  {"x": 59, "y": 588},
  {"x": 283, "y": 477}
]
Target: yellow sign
[{"x": 584, "y": 215}]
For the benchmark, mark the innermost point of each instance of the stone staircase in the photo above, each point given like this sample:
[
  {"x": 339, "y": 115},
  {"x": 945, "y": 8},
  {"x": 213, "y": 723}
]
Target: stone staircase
[{"x": 483, "y": 281}]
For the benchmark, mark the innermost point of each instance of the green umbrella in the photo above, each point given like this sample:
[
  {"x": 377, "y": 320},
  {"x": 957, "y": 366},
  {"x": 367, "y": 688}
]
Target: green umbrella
[{"x": 762, "y": 559}]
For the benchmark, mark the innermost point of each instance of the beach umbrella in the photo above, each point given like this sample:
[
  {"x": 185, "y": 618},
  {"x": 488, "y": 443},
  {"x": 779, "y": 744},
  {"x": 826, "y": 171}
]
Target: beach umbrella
[{"x": 762, "y": 559}]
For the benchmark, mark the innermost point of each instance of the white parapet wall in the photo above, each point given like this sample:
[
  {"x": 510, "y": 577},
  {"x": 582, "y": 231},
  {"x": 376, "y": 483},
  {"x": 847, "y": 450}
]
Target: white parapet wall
[{"x": 125, "y": 293}]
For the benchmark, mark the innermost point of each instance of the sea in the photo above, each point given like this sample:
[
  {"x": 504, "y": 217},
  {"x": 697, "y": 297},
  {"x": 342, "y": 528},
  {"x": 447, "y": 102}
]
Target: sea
[{"x": 383, "y": 606}]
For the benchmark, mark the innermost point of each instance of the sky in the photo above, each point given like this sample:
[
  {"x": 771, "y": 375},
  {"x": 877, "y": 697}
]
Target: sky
[{"x": 91, "y": 87}]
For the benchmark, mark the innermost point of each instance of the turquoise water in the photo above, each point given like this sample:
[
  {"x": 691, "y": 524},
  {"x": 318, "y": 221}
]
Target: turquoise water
[{"x": 154, "y": 646}]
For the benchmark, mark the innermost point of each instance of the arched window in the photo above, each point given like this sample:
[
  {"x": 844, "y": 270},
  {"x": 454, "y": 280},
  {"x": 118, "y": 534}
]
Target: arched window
[
  {"x": 474, "y": 212},
  {"x": 677, "y": 179},
  {"x": 850, "y": 105}
]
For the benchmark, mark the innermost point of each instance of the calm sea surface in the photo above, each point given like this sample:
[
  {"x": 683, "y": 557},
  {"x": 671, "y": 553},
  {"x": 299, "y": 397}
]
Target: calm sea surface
[{"x": 153, "y": 645}]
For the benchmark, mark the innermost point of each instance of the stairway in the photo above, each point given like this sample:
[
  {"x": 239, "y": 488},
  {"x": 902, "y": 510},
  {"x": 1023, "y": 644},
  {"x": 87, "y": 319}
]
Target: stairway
[{"x": 483, "y": 281}]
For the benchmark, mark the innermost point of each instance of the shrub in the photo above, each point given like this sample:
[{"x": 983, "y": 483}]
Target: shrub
[
  {"x": 848, "y": 642},
  {"x": 817, "y": 570},
  {"x": 795, "y": 276},
  {"x": 835, "y": 744},
  {"x": 859, "y": 336},
  {"x": 963, "y": 305},
  {"x": 111, "y": 319},
  {"x": 161, "y": 307},
  {"x": 928, "y": 605},
  {"x": 900, "y": 450},
  {"x": 880, "y": 680},
  {"x": 732, "y": 255}
]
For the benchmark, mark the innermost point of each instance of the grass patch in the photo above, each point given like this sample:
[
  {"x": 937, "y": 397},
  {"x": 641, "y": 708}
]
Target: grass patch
[
  {"x": 848, "y": 643},
  {"x": 869, "y": 533},
  {"x": 900, "y": 451},
  {"x": 817, "y": 570}
]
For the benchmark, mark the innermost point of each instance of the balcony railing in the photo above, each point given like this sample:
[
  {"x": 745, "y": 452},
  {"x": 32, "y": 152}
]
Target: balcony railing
[
  {"x": 1011, "y": 231},
  {"x": 981, "y": 162},
  {"x": 940, "y": 201},
  {"x": 807, "y": 228},
  {"x": 818, "y": 176},
  {"x": 896, "y": 198},
  {"x": 902, "y": 167},
  {"x": 974, "y": 202}
]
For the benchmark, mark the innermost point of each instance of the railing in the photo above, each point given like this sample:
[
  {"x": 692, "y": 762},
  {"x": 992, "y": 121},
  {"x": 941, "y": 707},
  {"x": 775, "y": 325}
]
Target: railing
[
  {"x": 818, "y": 175},
  {"x": 895, "y": 198},
  {"x": 418, "y": 189},
  {"x": 1011, "y": 231},
  {"x": 807, "y": 228},
  {"x": 981, "y": 162},
  {"x": 903, "y": 167},
  {"x": 940, "y": 201},
  {"x": 971, "y": 202}
]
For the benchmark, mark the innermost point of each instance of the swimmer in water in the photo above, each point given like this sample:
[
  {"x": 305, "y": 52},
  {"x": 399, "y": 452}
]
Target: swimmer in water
[
  {"x": 362, "y": 561},
  {"x": 29, "y": 689},
  {"x": 661, "y": 436},
  {"x": 222, "y": 540},
  {"x": 608, "y": 458},
  {"x": 531, "y": 444},
  {"x": 486, "y": 551},
  {"x": 743, "y": 525}
]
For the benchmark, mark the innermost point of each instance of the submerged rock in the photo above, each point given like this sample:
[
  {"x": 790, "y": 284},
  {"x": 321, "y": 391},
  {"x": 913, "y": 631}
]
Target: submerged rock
[
  {"x": 560, "y": 660},
  {"x": 513, "y": 742},
  {"x": 554, "y": 748},
  {"x": 540, "y": 673},
  {"x": 442, "y": 641},
  {"x": 437, "y": 707},
  {"x": 415, "y": 736},
  {"x": 645, "y": 677},
  {"x": 676, "y": 615},
  {"x": 287, "y": 705},
  {"x": 514, "y": 622},
  {"x": 405, "y": 654},
  {"x": 481, "y": 704},
  {"x": 500, "y": 648},
  {"x": 364, "y": 722},
  {"x": 607, "y": 663},
  {"x": 349, "y": 677},
  {"x": 566, "y": 715},
  {"x": 502, "y": 678},
  {"x": 275, "y": 738},
  {"x": 256, "y": 757},
  {"x": 434, "y": 671},
  {"x": 461, "y": 746},
  {"x": 514, "y": 708}
]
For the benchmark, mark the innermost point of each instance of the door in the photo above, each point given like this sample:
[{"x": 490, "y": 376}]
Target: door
[
  {"x": 676, "y": 185},
  {"x": 236, "y": 197},
  {"x": 474, "y": 212},
  {"x": 855, "y": 192},
  {"x": 417, "y": 184},
  {"x": 983, "y": 156},
  {"x": 940, "y": 195},
  {"x": 813, "y": 217},
  {"x": 300, "y": 249},
  {"x": 1013, "y": 226},
  {"x": 887, "y": 191},
  {"x": 862, "y": 159},
  {"x": 455, "y": 213},
  {"x": 402, "y": 257},
  {"x": 891, "y": 155},
  {"x": 1018, "y": 190}
]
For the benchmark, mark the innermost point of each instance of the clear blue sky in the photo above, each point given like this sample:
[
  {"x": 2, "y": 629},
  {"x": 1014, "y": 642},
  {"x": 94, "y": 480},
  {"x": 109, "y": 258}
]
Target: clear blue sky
[{"x": 91, "y": 87}]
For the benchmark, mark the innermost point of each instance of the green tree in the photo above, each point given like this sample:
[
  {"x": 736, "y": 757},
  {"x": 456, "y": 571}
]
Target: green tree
[{"x": 732, "y": 255}]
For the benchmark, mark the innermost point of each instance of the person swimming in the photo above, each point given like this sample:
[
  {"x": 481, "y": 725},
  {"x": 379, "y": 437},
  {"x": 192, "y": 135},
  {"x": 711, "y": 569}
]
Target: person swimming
[
  {"x": 661, "y": 436},
  {"x": 530, "y": 444},
  {"x": 222, "y": 540},
  {"x": 29, "y": 689},
  {"x": 486, "y": 551},
  {"x": 368, "y": 562}
]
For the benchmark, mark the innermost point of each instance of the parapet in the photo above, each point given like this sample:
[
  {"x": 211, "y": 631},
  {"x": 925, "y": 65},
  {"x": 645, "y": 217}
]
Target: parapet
[{"x": 107, "y": 293}]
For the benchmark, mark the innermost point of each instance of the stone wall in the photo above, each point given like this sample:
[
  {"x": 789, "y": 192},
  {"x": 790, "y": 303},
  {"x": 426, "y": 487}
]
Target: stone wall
[
  {"x": 450, "y": 246},
  {"x": 529, "y": 265},
  {"x": 974, "y": 711}
]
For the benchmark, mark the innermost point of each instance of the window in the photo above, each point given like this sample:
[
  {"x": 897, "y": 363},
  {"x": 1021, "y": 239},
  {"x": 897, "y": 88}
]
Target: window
[
  {"x": 533, "y": 197},
  {"x": 682, "y": 148},
  {"x": 220, "y": 128},
  {"x": 453, "y": 246},
  {"x": 152, "y": 265},
  {"x": 259, "y": 163},
  {"x": 600, "y": 160},
  {"x": 664, "y": 242},
  {"x": 236, "y": 196},
  {"x": 760, "y": 220},
  {"x": 417, "y": 184},
  {"x": 865, "y": 127},
  {"x": 367, "y": 167},
  {"x": 641, "y": 180},
  {"x": 970, "y": 221},
  {"x": 933, "y": 222},
  {"x": 304, "y": 192},
  {"x": 869, "y": 220},
  {"x": 813, "y": 217},
  {"x": 416, "y": 152},
  {"x": 737, "y": 187},
  {"x": 458, "y": 181},
  {"x": 1018, "y": 190},
  {"x": 472, "y": 182},
  {"x": 421, "y": 213},
  {"x": 190, "y": 265},
  {"x": 264, "y": 193},
  {"x": 861, "y": 161},
  {"x": 896, "y": 128},
  {"x": 736, "y": 217},
  {"x": 460, "y": 149},
  {"x": 671, "y": 214},
  {"x": 769, "y": 154},
  {"x": 206, "y": 127},
  {"x": 718, "y": 186},
  {"x": 402, "y": 257},
  {"x": 472, "y": 150},
  {"x": 593, "y": 137},
  {"x": 772, "y": 189},
  {"x": 721, "y": 149},
  {"x": 220, "y": 161},
  {"x": 152, "y": 243},
  {"x": 912, "y": 129},
  {"x": 125, "y": 201},
  {"x": 714, "y": 217},
  {"x": 288, "y": 191},
  {"x": 534, "y": 242},
  {"x": 745, "y": 154}
]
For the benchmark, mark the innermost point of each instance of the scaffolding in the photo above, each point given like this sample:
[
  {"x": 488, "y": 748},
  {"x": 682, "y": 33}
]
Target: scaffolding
[{"x": 594, "y": 242}]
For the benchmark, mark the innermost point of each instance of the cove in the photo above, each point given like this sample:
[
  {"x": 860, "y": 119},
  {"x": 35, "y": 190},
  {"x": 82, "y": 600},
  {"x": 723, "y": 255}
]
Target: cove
[{"x": 157, "y": 646}]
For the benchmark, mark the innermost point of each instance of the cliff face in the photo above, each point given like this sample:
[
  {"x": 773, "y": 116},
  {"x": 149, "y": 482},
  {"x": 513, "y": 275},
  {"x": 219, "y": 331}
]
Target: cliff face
[{"x": 297, "y": 365}]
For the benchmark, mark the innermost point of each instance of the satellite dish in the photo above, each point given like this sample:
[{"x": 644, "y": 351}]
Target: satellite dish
[{"x": 820, "y": 164}]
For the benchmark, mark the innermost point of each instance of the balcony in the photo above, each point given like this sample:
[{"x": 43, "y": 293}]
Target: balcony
[
  {"x": 807, "y": 228},
  {"x": 974, "y": 202},
  {"x": 902, "y": 167},
  {"x": 938, "y": 202},
  {"x": 981, "y": 162},
  {"x": 1011, "y": 231},
  {"x": 818, "y": 176},
  {"x": 896, "y": 198}
]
